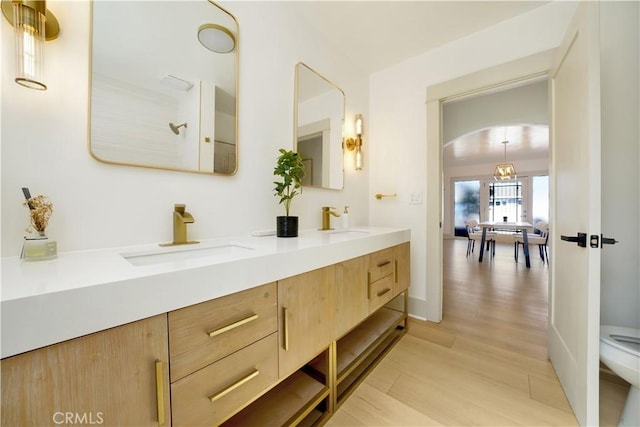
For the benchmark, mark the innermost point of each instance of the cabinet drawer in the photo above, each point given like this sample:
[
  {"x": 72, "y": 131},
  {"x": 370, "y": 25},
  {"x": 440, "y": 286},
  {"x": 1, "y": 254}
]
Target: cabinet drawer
[
  {"x": 380, "y": 264},
  {"x": 380, "y": 292},
  {"x": 209, "y": 396},
  {"x": 206, "y": 332}
]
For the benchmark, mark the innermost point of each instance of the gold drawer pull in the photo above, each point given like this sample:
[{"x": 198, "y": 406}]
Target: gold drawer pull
[
  {"x": 384, "y": 291},
  {"x": 232, "y": 326},
  {"x": 160, "y": 391},
  {"x": 383, "y": 263},
  {"x": 234, "y": 386},
  {"x": 285, "y": 311},
  {"x": 395, "y": 271}
]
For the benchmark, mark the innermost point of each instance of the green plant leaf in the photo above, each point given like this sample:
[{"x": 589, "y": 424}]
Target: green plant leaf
[{"x": 290, "y": 169}]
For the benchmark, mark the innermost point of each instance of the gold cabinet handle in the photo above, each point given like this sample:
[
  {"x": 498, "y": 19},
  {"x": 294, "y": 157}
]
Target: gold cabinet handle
[
  {"x": 383, "y": 263},
  {"x": 285, "y": 312},
  {"x": 233, "y": 325},
  {"x": 234, "y": 386},
  {"x": 395, "y": 271},
  {"x": 384, "y": 291},
  {"x": 160, "y": 391}
]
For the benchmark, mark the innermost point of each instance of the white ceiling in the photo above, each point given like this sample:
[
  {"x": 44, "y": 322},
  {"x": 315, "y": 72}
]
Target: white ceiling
[
  {"x": 526, "y": 142},
  {"x": 377, "y": 34},
  {"x": 474, "y": 127}
]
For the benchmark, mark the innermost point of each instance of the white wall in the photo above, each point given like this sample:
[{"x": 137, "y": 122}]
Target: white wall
[
  {"x": 521, "y": 105},
  {"x": 44, "y": 143},
  {"x": 620, "y": 88},
  {"x": 399, "y": 132}
]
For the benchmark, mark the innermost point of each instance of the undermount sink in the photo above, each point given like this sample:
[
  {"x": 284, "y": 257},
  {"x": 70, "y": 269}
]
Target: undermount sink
[{"x": 178, "y": 253}]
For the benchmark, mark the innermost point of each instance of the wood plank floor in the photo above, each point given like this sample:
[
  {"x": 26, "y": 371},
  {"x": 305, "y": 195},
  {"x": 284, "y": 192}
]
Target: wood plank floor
[{"x": 484, "y": 364}]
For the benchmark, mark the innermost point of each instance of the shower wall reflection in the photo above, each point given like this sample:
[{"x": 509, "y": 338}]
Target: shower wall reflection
[
  {"x": 131, "y": 124},
  {"x": 164, "y": 101}
]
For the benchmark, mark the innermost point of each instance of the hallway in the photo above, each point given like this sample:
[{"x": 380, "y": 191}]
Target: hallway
[{"x": 484, "y": 364}]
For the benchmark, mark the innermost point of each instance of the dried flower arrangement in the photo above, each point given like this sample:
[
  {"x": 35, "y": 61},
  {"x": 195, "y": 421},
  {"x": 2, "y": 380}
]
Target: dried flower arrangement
[{"x": 40, "y": 210}]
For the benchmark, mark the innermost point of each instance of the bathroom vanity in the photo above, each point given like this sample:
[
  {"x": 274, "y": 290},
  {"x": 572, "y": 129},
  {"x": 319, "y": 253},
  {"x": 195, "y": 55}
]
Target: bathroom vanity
[{"x": 243, "y": 331}]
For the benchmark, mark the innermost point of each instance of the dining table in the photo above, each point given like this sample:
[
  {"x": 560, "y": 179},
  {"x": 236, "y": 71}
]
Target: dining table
[{"x": 518, "y": 226}]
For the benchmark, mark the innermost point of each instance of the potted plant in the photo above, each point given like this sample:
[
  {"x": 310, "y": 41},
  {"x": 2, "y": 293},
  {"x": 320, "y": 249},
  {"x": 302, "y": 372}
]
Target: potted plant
[{"x": 290, "y": 169}]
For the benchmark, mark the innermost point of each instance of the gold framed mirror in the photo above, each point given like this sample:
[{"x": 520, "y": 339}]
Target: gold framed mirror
[
  {"x": 319, "y": 108},
  {"x": 164, "y": 85}
]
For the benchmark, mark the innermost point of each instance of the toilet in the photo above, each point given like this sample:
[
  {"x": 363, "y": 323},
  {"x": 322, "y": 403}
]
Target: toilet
[{"x": 620, "y": 351}]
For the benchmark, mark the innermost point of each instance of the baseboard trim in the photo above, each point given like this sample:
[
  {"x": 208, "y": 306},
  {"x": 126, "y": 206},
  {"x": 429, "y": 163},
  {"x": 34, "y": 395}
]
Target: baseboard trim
[{"x": 417, "y": 308}]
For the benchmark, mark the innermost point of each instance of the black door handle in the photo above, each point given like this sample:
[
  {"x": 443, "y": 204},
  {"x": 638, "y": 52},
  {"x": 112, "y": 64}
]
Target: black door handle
[
  {"x": 580, "y": 239},
  {"x": 607, "y": 241}
]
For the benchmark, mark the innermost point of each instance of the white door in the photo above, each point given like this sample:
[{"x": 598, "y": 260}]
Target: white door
[{"x": 574, "y": 293}]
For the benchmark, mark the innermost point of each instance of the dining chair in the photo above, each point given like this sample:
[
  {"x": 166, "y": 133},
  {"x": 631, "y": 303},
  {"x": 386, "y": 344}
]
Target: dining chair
[
  {"x": 475, "y": 233},
  {"x": 534, "y": 239}
]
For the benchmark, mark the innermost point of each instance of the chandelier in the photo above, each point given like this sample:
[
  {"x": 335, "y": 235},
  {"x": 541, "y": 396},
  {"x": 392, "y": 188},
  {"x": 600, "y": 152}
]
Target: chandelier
[{"x": 504, "y": 171}]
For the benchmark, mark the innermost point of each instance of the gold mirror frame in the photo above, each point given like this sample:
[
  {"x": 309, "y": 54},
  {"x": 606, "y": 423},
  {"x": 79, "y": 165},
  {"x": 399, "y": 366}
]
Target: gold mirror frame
[
  {"x": 319, "y": 109},
  {"x": 155, "y": 134}
]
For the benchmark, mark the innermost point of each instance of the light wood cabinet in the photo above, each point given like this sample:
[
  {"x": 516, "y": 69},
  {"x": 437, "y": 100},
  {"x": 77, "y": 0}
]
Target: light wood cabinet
[
  {"x": 305, "y": 317},
  {"x": 402, "y": 256},
  {"x": 210, "y": 395},
  {"x": 203, "y": 333},
  {"x": 305, "y": 329},
  {"x": 350, "y": 290},
  {"x": 284, "y": 353},
  {"x": 380, "y": 292},
  {"x": 381, "y": 277},
  {"x": 116, "y": 377},
  {"x": 375, "y": 286},
  {"x": 358, "y": 351},
  {"x": 291, "y": 402},
  {"x": 335, "y": 324},
  {"x": 224, "y": 353},
  {"x": 380, "y": 264}
]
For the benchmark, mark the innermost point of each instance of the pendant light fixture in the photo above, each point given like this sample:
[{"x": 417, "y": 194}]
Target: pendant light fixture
[
  {"x": 505, "y": 171},
  {"x": 33, "y": 25}
]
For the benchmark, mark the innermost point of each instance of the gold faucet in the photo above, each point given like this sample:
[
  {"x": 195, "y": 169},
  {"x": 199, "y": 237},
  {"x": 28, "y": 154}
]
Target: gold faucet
[
  {"x": 326, "y": 218},
  {"x": 180, "y": 220}
]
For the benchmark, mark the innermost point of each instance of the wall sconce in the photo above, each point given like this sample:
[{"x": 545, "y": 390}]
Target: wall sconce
[
  {"x": 356, "y": 144},
  {"x": 33, "y": 25}
]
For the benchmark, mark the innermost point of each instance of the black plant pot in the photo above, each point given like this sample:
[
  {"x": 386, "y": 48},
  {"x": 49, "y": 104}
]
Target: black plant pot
[{"x": 287, "y": 226}]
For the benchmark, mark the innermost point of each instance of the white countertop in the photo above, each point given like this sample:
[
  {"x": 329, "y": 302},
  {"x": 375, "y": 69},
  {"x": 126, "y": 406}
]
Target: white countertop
[{"x": 45, "y": 302}]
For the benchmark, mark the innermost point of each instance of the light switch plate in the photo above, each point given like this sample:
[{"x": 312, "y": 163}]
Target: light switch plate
[{"x": 415, "y": 198}]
